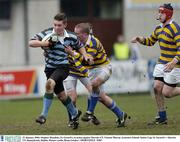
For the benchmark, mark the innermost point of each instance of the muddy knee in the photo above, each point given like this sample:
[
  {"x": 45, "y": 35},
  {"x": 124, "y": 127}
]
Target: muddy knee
[{"x": 50, "y": 84}]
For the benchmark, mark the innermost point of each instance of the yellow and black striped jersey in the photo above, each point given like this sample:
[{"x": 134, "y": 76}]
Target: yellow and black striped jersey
[
  {"x": 95, "y": 49},
  {"x": 169, "y": 42},
  {"x": 76, "y": 66}
]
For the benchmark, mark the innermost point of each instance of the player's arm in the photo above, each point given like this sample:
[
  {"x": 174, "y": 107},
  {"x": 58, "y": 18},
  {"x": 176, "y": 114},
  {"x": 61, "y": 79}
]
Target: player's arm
[
  {"x": 72, "y": 52},
  {"x": 149, "y": 41},
  {"x": 38, "y": 43},
  {"x": 43, "y": 39},
  {"x": 138, "y": 39},
  {"x": 81, "y": 49},
  {"x": 86, "y": 57},
  {"x": 76, "y": 55}
]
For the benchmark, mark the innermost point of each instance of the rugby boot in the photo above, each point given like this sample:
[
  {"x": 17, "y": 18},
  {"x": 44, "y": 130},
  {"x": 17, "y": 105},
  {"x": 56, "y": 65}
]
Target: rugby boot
[
  {"x": 75, "y": 121},
  {"x": 90, "y": 117},
  {"x": 121, "y": 121},
  {"x": 41, "y": 119},
  {"x": 157, "y": 121}
]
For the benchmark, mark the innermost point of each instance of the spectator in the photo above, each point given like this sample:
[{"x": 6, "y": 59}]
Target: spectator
[{"x": 121, "y": 49}]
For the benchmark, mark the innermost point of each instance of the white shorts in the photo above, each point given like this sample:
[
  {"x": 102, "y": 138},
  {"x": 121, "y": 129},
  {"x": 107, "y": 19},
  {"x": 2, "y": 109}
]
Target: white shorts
[
  {"x": 103, "y": 72},
  {"x": 70, "y": 82},
  {"x": 172, "y": 77}
]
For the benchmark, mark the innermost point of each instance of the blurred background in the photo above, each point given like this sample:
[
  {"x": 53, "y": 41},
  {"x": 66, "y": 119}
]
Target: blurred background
[{"x": 21, "y": 19}]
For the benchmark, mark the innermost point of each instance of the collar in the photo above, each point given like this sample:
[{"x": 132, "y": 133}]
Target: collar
[
  {"x": 88, "y": 40},
  {"x": 170, "y": 22},
  {"x": 65, "y": 33}
]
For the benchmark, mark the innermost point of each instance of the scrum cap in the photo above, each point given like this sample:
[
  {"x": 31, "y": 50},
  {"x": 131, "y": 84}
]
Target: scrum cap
[{"x": 167, "y": 9}]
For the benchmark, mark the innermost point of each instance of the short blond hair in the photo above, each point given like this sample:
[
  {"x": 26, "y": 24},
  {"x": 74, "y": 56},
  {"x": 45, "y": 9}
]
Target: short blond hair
[{"x": 85, "y": 27}]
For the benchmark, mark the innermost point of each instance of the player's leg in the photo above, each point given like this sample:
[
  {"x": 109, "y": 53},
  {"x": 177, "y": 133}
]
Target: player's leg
[
  {"x": 48, "y": 98},
  {"x": 158, "y": 86},
  {"x": 111, "y": 105},
  {"x": 62, "y": 73},
  {"x": 74, "y": 112},
  {"x": 171, "y": 80},
  {"x": 98, "y": 77},
  {"x": 158, "y": 74},
  {"x": 70, "y": 90},
  {"x": 87, "y": 83},
  {"x": 91, "y": 117},
  {"x": 171, "y": 91}
]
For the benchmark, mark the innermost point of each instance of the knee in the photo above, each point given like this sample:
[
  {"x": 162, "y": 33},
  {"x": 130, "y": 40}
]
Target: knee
[
  {"x": 62, "y": 96},
  {"x": 73, "y": 96},
  {"x": 157, "y": 89},
  {"x": 50, "y": 84},
  {"x": 166, "y": 94},
  {"x": 96, "y": 83}
]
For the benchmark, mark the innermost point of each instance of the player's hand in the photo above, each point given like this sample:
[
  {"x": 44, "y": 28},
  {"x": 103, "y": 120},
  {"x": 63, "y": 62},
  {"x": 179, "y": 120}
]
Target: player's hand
[
  {"x": 170, "y": 65},
  {"x": 53, "y": 40},
  {"x": 137, "y": 39},
  {"x": 88, "y": 59},
  {"x": 69, "y": 50}
]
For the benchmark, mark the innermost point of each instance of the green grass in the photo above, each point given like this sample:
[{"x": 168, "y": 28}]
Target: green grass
[{"x": 17, "y": 118}]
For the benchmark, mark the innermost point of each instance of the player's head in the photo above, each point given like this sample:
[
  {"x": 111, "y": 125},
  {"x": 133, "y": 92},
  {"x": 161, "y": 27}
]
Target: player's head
[
  {"x": 165, "y": 12},
  {"x": 60, "y": 23},
  {"x": 83, "y": 30}
]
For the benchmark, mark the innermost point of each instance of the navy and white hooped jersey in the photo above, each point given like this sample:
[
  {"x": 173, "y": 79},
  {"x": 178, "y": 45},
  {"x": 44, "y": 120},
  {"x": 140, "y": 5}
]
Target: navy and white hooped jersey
[{"x": 56, "y": 56}]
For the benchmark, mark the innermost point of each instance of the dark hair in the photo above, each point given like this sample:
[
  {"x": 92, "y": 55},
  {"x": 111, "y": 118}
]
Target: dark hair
[
  {"x": 168, "y": 6},
  {"x": 61, "y": 17}
]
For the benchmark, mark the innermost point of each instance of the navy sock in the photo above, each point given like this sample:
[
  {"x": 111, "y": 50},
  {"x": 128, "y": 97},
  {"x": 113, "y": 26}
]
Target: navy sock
[
  {"x": 162, "y": 115},
  {"x": 88, "y": 102},
  {"x": 117, "y": 111},
  {"x": 92, "y": 103}
]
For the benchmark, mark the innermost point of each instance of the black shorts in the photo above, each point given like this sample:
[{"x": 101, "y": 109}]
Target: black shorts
[
  {"x": 58, "y": 75},
  {"x": 162, "y": 80}
]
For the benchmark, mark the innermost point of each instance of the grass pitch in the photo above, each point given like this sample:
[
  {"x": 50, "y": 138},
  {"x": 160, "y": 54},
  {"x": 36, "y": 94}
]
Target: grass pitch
[{"x": 17, "y": 117}]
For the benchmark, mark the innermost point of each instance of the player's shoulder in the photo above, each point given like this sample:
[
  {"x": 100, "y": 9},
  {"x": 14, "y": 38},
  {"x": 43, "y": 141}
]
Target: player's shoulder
[
  {"x": 72, "y": 35},
  {"x": 159, "y": 26},
  {"x": 95, "y": 41},
  {"x": 176, "y": 25},
  {"x": 48, "y": 30}
]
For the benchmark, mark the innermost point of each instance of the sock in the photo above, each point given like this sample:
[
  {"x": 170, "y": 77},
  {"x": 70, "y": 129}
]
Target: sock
[
  {"x": 88, "y": 102},
  {"x": 47, "y": 101},
  {"x": 115, "y": 109},
  {"x": 162, "y": 115},
  {"x": 92, "y": 103},
  {"x": 70, "y": 107},
  {"x": 69, "y": 115}
]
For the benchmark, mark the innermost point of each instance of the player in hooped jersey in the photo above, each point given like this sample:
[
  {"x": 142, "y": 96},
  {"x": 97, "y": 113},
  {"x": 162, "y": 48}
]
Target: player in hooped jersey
[
  {"x": 54, "y": 40},
  {"x": 99, "y": 72},
  {"x": 167, "y": 70}
]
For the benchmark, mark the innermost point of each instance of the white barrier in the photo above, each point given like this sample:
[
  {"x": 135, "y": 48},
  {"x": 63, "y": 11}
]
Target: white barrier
[{"x": 126, "y": 77}]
